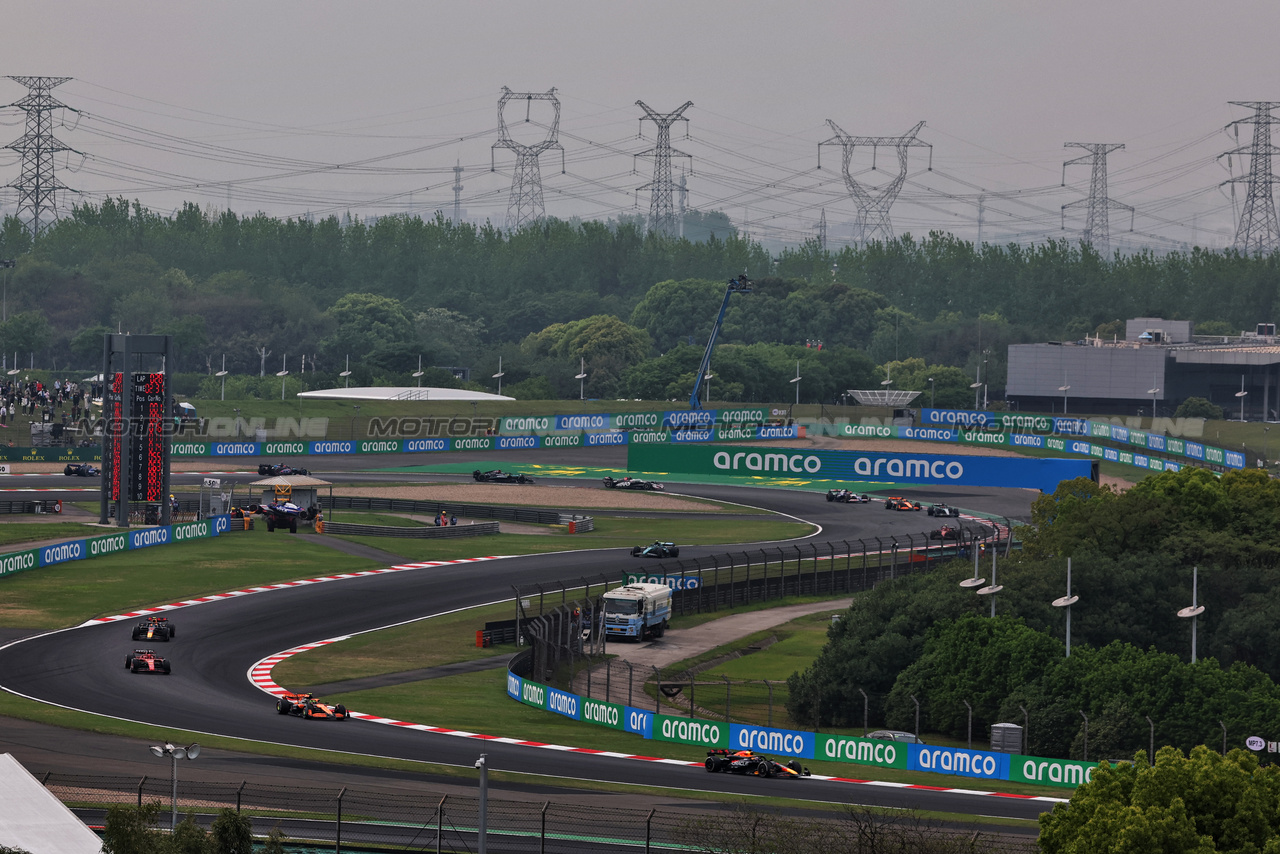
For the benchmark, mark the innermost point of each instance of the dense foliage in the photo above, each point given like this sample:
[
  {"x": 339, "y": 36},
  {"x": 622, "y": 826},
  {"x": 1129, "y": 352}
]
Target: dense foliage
[
  {"x": 1198, "y": 804},
  {"x": 1132, "y": 557},
  {"x": 390, "y": 291}
]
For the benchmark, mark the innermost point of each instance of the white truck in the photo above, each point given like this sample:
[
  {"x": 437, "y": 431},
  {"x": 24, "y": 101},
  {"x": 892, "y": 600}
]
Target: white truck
[{"x": 637, "y": 611}]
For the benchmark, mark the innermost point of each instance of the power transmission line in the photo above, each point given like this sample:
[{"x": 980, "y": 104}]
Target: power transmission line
[
  {"x": 1258, "y": 230},
  {"x": 873, "y": 204},
  {"x": 1097, "y": 229},
  {"x": 525, "y": 204},
  {"x": 662, "y": 217},
  {"x": 36, "y": 183}
]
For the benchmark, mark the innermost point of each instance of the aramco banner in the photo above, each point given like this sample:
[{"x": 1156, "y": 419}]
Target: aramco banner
[{"x": 816, "y": 464}]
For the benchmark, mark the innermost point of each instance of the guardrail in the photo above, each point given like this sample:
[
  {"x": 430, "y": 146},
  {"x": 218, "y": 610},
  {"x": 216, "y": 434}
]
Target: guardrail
[
  {"x": 423, "y": 532},
  {"x": 531, "y": 515}
]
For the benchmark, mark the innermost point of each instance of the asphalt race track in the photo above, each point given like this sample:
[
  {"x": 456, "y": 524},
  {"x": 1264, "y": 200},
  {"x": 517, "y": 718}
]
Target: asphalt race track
[{"x": 209, "y": 691}]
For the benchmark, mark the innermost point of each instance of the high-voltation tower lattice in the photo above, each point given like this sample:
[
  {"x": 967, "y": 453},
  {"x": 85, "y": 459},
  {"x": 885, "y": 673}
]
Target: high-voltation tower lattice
[
  {"x": 525, "y": 205},
  {"x": 37, "y": 184},
  {"x": 821, "y": 226},
  {"x": 457, "y": 194},
  {"x": 1258, "y": 229},
  {"x": 1097, "y": 229},
  {"x": 874, "y": 203},
  {"x": 662, "y": 216}
]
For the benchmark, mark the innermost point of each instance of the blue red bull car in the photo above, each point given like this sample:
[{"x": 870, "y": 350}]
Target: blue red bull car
[
  {"x": 154, "y": 629},
  {"x": 720, "y": 760}
]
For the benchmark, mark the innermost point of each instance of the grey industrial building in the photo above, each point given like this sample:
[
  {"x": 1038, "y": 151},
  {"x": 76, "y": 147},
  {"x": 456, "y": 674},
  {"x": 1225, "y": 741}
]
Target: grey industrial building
[{"x": 1159, "y": 364}]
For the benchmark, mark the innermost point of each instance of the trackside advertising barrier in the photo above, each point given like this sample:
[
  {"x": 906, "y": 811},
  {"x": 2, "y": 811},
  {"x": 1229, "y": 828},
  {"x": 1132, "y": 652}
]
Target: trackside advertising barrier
[
  {"x": 91, "y": 547},
  {"x": 797, "y": 744},
  {"x": 1019, "y": 429},
  {"x": 816, "y": 464}
]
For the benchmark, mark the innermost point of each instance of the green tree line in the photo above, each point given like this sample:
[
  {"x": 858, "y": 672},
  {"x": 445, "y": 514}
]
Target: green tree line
[{"x": 466, "y": 295}]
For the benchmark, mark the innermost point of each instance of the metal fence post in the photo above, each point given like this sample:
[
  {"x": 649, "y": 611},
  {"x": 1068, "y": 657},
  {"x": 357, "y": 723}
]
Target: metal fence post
[
  {"x": 542, "y": 839},
  {"x": 657, "y": 690},
  {"x": 239, "y": 792},
  {"x": 728, "y": 688},
  {"x": 769, "y": 686},
  {"x": 141, "y": 783},
  {"x": 631, "y": 681},
  {"x": 864, "y": 564},
  {"x": 691, "y": 681},
  {"x": 608, "y": 674},
  {"x": 337, "y": 836},
  {"x": 799, "y": 562},
  {"x": 440, "y": 821}
]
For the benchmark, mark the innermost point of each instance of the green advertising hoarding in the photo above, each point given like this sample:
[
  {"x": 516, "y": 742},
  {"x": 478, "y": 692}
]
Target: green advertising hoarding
[
  {"x": 19, "y": 561},
  {"x": 862, "y": 751},
  {"x": 599, "y": 712},
  {"x": 1067, "y": 773},
  {"x": 690, "y": 731}
]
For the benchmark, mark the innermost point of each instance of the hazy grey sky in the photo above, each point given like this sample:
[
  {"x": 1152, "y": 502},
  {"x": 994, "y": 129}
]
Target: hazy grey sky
[{"x": 286, "y": 91}]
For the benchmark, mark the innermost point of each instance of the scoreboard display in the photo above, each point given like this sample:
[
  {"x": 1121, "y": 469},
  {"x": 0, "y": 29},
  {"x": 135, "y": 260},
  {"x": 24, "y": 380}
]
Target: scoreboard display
[
  {"x": 146, "y": 475},
  {"x": 113, "y": 398},
  {"x": 138, "y": 434}
]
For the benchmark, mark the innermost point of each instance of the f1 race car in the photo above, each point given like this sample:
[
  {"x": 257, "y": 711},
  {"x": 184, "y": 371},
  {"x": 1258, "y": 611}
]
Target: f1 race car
[
  {"x": 155, "y": 628},
  {"x": 896, "y": 503},
  {"x": 749, "y": 762},
  {"x": 283, "y": 514},
  {"x": 145, "y": 661},
  {"x": 275, "y": 469},
  {"x": 943, "y": 510},
  {"x": 81, "y": 470},
  {"x": 307, "y": 706},
  {"x": 656, "y": 549},
  {"x": 633, "y": 483},
  {"x": 847, "y": 497},
  {"x": 500, "y": 476},
  {"x": 946, "y": 532}
]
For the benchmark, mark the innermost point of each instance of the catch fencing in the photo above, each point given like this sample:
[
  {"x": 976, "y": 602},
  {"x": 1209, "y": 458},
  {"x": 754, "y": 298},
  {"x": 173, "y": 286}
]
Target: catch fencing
[
  {"x": 567, "y": 645},
  {"x": 353, "y": 819}
]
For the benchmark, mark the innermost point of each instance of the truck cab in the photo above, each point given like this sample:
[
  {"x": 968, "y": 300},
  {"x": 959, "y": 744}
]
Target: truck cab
[{"x": 637, "y": 611}]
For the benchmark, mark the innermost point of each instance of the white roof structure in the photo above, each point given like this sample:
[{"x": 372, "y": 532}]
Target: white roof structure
[
  {"x": 291, "y": 480},
  {"x": 424, "y": 393},
  {"x": 33, "y": 819},
  {"x": 883, "y": 396}
]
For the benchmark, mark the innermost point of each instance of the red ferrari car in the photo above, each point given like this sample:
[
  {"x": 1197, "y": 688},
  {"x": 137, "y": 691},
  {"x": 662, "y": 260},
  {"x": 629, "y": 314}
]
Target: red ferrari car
[
  {"x": 307, "y": 706},
  {"x": 146, "y": 661}
]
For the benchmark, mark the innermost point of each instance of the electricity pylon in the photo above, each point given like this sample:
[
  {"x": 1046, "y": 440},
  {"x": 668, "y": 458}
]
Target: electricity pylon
[
  {"x": 874, "y": 203},
  {"x": 37, "y": 184},
  {"x": 525, "y": 204},
  {"x": 1258, "y": 230},
  {"x": 1097, "y": 229},
  {"x": 821, "y": 226},
  {"x": 662, "y": 217},
  {"x": 457, "y": 194}
]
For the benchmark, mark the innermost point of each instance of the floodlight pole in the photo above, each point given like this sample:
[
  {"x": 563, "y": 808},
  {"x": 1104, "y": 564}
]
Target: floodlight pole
[
  {"x": 1194, "y": 611},
  {"x": 1066, "y": 602}
]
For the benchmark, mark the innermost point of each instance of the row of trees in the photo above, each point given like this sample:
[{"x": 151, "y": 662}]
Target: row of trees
[
  {"x": 466, "y": 294},
  {"x": 1132, "y": 558}
]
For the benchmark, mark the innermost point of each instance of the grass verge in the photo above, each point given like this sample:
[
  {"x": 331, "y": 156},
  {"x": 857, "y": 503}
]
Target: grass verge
[{"x": 609, "y": 533}]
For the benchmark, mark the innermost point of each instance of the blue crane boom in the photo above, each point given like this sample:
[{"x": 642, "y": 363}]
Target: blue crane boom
[{"x": 740, "y": 285}]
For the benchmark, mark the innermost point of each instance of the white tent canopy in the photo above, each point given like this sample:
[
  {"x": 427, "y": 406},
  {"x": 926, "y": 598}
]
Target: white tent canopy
[{"x": 33, "y": 819}]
